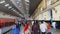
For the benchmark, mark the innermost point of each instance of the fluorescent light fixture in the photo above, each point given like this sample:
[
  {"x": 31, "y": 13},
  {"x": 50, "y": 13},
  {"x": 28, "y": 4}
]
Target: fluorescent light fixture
[
  {"x": 6, "y": 5},
  {"x": 27, "y": 0},
  {"x": 17, "y": 2},
  {"x": 14, "y": 10},
  {"x": 2, "y": 2},
  {"x": 21, "y": 15},
  {"x": 27, "y": 3},
  {"x": 9, "y": 7}
]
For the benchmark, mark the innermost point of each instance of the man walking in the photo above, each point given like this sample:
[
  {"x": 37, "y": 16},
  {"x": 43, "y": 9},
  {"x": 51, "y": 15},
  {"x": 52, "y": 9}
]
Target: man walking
[
  {"x": 43, "y": 28},
  {"x": 54, "y": 26}
]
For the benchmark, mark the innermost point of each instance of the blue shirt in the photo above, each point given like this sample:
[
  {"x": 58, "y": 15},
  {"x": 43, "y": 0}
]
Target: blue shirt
[{"x": 15, "y": 30}]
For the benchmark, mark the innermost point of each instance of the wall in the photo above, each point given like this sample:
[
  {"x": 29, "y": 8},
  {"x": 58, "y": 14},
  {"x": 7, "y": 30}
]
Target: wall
[
  {"x": 56, "y": 14},
  {"x": 44, "y": 16}
]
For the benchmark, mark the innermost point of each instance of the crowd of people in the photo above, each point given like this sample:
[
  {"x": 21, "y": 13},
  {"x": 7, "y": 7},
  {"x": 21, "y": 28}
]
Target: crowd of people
[
  {"x": 35, "y": 27},
  {"x": 42, "y": 28}
]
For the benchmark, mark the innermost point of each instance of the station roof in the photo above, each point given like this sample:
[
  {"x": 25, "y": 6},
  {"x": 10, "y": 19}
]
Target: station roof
[
  {"x": 33, "y": 5},
  {"x": 19, "y": 7}
]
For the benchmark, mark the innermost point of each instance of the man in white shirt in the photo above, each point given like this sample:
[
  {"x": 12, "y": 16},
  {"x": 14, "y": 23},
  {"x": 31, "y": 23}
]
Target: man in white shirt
[
  {"x": 32, "y": 23},
  {"x": 43, "y": 28},
  {"x": 54, "y": 26}
]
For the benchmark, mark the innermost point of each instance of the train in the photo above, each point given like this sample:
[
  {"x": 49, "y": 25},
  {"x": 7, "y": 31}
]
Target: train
[{"x": 6, "y": 22}]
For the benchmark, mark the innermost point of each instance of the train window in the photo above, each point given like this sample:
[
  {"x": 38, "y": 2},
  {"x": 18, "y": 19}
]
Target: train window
[
  {"x": 7, "y": 24},
  {"x": 11, "y": 23}
]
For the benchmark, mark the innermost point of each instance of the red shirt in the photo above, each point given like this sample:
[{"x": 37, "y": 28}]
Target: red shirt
[
  {"x": 48, "y": 26},
  {"x": 25, "y": 27}
]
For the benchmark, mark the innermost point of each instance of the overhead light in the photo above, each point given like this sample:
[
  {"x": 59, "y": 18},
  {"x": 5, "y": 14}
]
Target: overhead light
[
  {"x": 14, "y": 10},
  {"x": 27, "y": 0},
  {"x": 27, "y": 3},
  {"x": 6, "y": 5},
  {"x": 21, "y": 15},
  {"x": 17, "y": 2},
  {"x": 9, "y": 7},
  {"x": 2, "y": 2}
]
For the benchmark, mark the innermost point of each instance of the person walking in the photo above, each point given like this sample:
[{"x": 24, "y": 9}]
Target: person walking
[
  {"x": 54, "y": 26},
  {"x": 48, "y": 28},
  {"x": 36, "y": 29},
  {"x": 16, "y": 29},
  {"x": 43, "y": 28},
  {"x": 25, "y": 29}
]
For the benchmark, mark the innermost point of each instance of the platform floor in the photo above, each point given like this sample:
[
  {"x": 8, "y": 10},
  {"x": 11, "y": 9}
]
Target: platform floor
[
  {"x": 57, "y": 32},
  {"x": 52, "y": 31}
]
